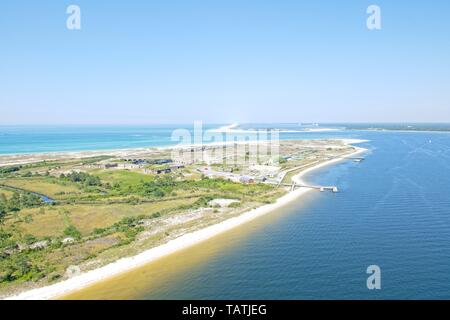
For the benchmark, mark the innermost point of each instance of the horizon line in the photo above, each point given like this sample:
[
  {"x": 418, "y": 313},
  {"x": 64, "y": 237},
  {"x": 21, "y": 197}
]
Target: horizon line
[{"x": 220, "y": 123}]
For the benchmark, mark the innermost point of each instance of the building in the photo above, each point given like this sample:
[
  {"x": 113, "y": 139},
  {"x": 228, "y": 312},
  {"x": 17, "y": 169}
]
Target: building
[
  {"x": 159, "y": 161},
  {"x": 177, "y": 166},
  {"x": 170, "y": 169},
  {"x": 110, "y": 165},
  {"x": 246, "y": 179},
  {"x": 265, "y": 170},
  {"x": 160, "y": 171}
]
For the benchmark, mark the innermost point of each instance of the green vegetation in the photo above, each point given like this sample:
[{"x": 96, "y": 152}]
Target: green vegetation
[
  {"x": 71, "y": 231},
  {"x": 281, "y": 160},
  {"x": 53, "y": 187},
  {"x": 7, "y": 170},
  {"x": 82, "y": 178},
  {"x": 97, "y": 212},
  {"x": 17, "y": 202},
  {"x": 20, "y": 268},
  {"x": 234, "y": 205}
]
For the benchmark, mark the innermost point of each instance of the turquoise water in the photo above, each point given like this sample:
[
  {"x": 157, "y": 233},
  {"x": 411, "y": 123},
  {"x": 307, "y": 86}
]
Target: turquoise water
[
  {"x": 41, "y": 139},
  {"x": 393, "y": 211}
]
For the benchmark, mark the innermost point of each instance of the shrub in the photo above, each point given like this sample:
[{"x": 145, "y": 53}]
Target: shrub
[
  {"x": 99, "y": 231},
  {"x": 83, "y": 178},
  {"x": 234, "y": 205},
  {"x": 73, "y": 232},
  {"x": 11, "y": 169}
]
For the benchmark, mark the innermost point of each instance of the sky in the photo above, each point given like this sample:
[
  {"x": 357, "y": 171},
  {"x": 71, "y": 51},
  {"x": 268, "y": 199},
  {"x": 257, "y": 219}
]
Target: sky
[{"x": 224, "y": 61}]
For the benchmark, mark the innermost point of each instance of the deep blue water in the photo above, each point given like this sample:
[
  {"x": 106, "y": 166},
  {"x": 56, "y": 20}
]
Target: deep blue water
[{"x": 393, "y": 211}]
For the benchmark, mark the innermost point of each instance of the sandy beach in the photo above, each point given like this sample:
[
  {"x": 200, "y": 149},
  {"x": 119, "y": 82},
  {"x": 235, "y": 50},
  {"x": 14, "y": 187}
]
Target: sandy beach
[
  {"x": 27, "y": 158},
  {"x": 125, "y": 264}
]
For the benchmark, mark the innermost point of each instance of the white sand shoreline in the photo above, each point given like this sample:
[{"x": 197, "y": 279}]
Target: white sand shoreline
[
  {"x": 126, "y": 264},
  {"x": 27, "y": 158}
]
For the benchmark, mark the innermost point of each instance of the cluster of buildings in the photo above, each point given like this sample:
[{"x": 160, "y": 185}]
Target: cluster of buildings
[
  {"x": 256, "y": 173},
  {"x": 167, "y": 170},
  {"x": 246, "y": 174},
  {"x": 130, "y": 164}
]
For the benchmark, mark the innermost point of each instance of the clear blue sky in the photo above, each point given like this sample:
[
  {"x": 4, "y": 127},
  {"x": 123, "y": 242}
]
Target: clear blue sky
[{"x": 224, "y": 61}]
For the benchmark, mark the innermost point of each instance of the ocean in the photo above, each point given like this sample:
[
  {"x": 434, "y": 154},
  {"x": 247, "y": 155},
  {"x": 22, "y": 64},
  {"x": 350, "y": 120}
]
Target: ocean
[
  {"x": 42, "y": 139},
  {"x": 393, "y": 211}
]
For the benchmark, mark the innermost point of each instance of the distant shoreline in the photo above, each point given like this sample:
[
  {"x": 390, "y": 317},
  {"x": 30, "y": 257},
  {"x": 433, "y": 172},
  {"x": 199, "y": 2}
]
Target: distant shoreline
[
  {"x": 26, "y": 158},
  {"x": 233, "y": 128},
  {"x": 123, "y": 265}
]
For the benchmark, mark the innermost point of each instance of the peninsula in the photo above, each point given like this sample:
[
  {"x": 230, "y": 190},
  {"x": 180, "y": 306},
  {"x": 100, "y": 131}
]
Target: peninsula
[{"x": 69, "y": 220}]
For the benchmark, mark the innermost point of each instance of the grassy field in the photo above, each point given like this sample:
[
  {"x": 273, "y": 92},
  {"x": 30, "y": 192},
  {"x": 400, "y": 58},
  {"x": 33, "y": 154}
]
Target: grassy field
[
  {"x": 51, "y": 221},
  {"x": 99, "y": 214},
  {"x": 43, "y": 185},
  {"x": 125, "y": 177},
  {"x": 7, "y": 193}
]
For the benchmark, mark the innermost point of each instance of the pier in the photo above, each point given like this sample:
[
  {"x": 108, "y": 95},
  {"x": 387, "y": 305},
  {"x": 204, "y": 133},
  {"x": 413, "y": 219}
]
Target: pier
[{"x": 294, "y": 186}]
